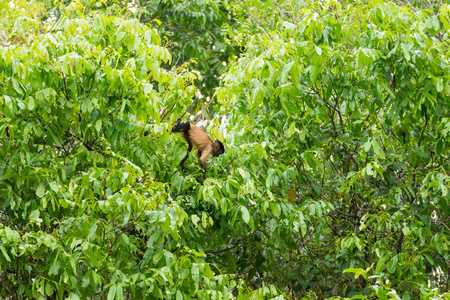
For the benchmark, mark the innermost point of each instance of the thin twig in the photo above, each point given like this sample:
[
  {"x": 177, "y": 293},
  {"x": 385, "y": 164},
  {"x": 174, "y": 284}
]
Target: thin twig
[
  {"x": 424, "y": 127},
  {"x": 195, "y": 100},
  {"x": 234, "y": 246},
  {"x": 441, "y": 223}
]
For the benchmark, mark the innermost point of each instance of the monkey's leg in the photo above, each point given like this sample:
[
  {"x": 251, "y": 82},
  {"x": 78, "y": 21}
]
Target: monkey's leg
[
  {"x": 202, "y": 158},
  {"x": 186, "y": 157}
]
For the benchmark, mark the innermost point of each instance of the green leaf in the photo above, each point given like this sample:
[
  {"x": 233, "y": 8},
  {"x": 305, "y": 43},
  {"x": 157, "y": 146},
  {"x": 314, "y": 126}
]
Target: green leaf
[
  {"x": 18, "y": 87},
  {"x": 179, "y": 295},
  {"x": 318, "y": 50},
  {"x": 365, "y": 57},
  {"x": 98, "y": 125},
  {"x": 357, "y": 271},
  {"x": 5, "y": 254},
  {"x": 54, "y": 268},
  {"x": 367, "y": 145},
  {"x": 12, "y": 235},
  {"x": 377, "y": 149},
  {"x": 406, "y": 50},
  {"x": 440, "y": 85},
  {"x": 40, "y": 191},
  {"x": 195, "y": 273},
  {"x": 55, "y": 137},
  {"x": 295, "y": 73},
  {"x": 9, "y": 104},
  {"x": 387, "y": 88},
  {"x": 381, "y": 263},
  {"x": 112, "y": 292},
  {"x": 30, "y": 103},
  {"x": 242, "y": 172},
  {"x": 85, "y": 106},
  {"x": 157, "y": 257},
  {"x": 289, "y": 106},
  {"x": 119, "y": 292},
  {"x": 445, "y": 19},
  {"x": 195, "y": 219},
  {"x": 359, "y": 297},
  {"x": 245, "y": 214}
]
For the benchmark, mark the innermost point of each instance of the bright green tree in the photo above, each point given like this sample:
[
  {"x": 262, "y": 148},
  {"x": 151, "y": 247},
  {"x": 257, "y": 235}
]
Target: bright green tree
[
  {"x": 86, "y": 208},
  {"x": 194, "y": 31},
  {"x": 342, "y": 110},
  {"x": 335, "y": 178}
]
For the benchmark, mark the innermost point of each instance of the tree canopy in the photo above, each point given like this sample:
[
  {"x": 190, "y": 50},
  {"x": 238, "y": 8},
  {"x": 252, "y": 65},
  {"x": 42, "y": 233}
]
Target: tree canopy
[{"x": 335, "y": 116}]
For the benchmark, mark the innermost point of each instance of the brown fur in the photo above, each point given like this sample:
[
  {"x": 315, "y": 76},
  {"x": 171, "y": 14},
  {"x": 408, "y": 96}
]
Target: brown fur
[{"x": 199, "y": 139}]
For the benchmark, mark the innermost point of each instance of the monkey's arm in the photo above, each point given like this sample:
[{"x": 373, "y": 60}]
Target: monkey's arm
[
  {"x": 181, "y": 126},
  {"x": 186, "y": 157}
]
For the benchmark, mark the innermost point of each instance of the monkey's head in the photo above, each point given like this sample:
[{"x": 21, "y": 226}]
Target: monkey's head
[{"x": 218, "y": 148}]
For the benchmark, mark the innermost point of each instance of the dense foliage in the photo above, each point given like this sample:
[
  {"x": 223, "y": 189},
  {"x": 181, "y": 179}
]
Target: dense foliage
[{"x": 334, "y": 183}]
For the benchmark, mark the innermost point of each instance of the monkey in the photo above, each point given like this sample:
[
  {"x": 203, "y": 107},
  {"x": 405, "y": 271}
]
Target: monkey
[{"x": 197, "y": 138}]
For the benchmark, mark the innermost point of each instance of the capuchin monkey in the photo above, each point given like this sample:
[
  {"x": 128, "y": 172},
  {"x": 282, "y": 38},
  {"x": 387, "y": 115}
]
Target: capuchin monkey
[{"x": 195, "y": 136}]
